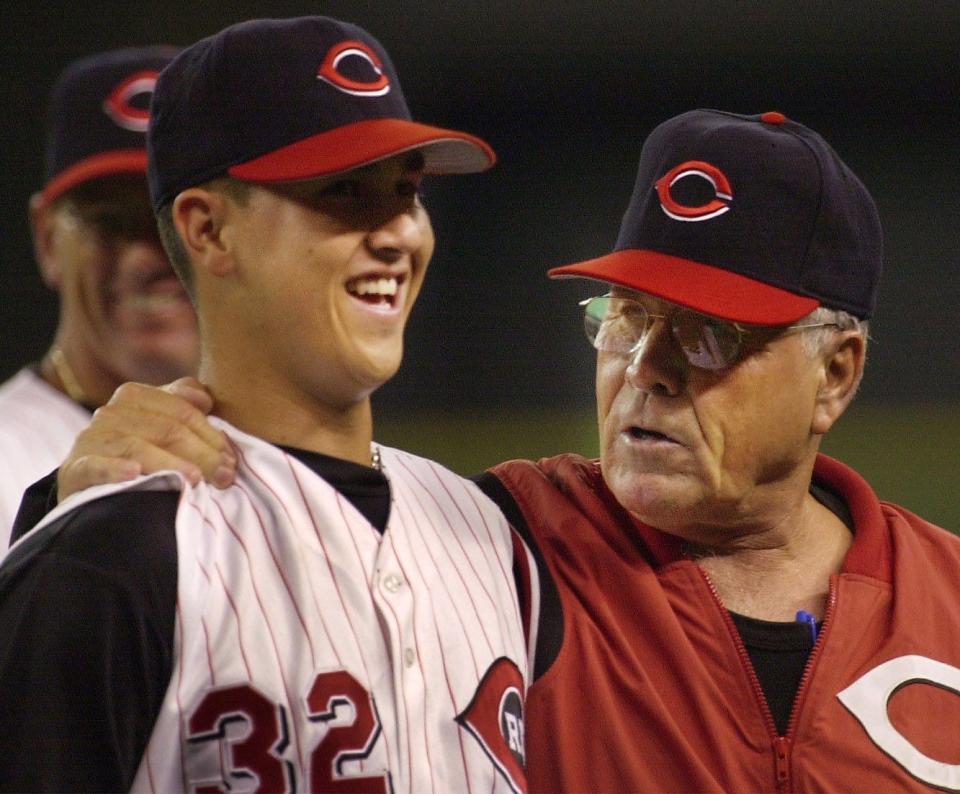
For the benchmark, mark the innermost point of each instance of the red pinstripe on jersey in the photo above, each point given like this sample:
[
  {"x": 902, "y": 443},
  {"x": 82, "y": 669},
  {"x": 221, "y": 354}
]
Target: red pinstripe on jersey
[
  {"x": 282, "y": 584},
  {"x": 255, "y": 522}
]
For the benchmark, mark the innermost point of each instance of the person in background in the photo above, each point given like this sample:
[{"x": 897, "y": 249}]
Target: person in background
[{"x": 123, "y": 313}]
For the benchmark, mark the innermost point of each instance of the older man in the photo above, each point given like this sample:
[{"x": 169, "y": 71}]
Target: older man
[
  {"x": 724, "y": 608},
  {"x": 123, "y": 313},
  {"x": 740, "y": 612}
]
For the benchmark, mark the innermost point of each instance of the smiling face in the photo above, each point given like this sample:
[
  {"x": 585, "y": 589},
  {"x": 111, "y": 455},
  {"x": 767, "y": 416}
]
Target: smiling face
[
  {"x": 692, "y": 451},
  {"x": 124, "y": 315},
  {"x": 326, "y": 273}
]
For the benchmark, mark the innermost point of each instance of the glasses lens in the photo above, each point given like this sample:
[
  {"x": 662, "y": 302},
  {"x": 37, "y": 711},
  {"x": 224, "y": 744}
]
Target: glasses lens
[
  {"x": 594, "y": 313},
  {"x": 614, "y": 325},
  {"x": 618, "y": 325},
  {"x": 708, "y": 343}
]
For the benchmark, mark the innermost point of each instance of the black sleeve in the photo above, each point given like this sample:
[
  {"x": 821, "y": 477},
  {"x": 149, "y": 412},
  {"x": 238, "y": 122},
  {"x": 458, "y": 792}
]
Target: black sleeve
[
  {"x": 38, "y": 500},
  {"x": 550, "y": 617},
  {"x": 87, "y": 610}
]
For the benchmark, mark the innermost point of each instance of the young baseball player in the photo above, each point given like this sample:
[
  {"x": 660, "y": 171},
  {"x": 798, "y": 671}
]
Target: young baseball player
[
  {"x": 123, "y": 313},
  {"x": 343, "y": 618}
]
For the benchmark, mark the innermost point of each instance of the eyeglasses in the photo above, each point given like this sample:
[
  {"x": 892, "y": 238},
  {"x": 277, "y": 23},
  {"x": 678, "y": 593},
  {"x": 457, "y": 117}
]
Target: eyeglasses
[{"x": 616, "y": 324}]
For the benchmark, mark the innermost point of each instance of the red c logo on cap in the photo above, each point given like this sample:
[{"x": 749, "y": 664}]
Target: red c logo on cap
[
  {"x": 117, "y": 106},
  {"x": 681, "y": 212},
  {"x": 329, "y": 73}
]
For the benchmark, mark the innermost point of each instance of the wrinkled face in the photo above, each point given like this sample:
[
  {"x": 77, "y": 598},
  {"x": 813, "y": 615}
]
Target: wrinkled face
[
  {"x": 330, "y": 270},
  {"x": 119, "y": 296},
  {"x": 688, "y": 449}
]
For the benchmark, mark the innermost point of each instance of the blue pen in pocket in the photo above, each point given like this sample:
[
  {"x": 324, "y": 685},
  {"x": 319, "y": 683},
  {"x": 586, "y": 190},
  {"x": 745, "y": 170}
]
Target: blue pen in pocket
[{"x": 805, "y": 617}]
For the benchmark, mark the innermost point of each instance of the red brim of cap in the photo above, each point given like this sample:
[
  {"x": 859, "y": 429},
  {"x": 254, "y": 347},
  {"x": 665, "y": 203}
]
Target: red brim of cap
[
  {"x": 703, "y": 288},
  {"x": 122, "y": 161},
  {"x": 364, "y": 142}
]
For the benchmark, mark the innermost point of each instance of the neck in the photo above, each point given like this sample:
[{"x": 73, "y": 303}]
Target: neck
[
  {"x": 295, "y": 419},
  {"x": 771, "y": 575},
  {"x": 79, "y": 376}
]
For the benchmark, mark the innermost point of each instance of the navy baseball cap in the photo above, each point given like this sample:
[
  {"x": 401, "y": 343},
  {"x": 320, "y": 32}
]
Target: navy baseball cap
[
  {"x": 97, "y": 117},
  {"x": 277, "y": 100},
  {"x": 747, "y": 218}
]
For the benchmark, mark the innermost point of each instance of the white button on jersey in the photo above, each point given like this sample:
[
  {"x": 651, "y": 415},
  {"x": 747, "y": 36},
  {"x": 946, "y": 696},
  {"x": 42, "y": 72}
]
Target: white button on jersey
[
  {"x": 392, "y": 583},
  {"x": 409, "y": 657}
]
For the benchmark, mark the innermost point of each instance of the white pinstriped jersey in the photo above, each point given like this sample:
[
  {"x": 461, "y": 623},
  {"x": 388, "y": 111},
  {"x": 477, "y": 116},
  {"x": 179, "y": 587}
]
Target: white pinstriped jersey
[
  {"x": 312, "y": 653},
  {"x": 38, "y": 425}
]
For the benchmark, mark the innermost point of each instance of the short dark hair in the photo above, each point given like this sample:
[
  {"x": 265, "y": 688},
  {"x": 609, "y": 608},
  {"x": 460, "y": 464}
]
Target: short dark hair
[
  {"x": 179, "y": 259},
  {"x": 173, "y": 245}
]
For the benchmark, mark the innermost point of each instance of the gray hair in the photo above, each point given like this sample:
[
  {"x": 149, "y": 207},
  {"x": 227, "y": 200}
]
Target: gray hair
[{"x": 816, "y": 339}]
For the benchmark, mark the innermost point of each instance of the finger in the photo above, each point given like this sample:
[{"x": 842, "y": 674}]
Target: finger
[
  {"x": 155, "y": 441},
  {"x": 133, "y": 402},
  {"x": 193, "y": 391},
  {"x": 150, "y": 459},
  {"x": 93, "y": 470},
  {"x": 138, "y": 458}
]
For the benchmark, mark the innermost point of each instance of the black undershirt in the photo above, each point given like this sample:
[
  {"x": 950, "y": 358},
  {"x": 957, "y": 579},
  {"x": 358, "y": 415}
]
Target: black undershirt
[
  {"x": 366, "y": 488},
  {"x": 778, "y": 653}
]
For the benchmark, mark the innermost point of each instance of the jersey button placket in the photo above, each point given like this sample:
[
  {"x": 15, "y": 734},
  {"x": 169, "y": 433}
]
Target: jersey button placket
[
  {"x": 393, "y": 583},
  {"x": 395, "y": 595}
]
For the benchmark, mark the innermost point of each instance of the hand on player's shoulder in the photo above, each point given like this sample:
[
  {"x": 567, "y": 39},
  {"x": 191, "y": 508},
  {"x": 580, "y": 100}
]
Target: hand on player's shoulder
[{"x": 144, "y": 429}]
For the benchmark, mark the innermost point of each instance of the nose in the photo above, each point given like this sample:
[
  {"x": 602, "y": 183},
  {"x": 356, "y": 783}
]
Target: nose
[
  {"x": 657, "y": 365},
  {"x": 401, "y": 234}
]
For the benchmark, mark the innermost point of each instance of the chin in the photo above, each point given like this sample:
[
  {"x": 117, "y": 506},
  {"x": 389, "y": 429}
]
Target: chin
[
  {"x": 380, "y": 362},
  {"x": 372, "y": 376},
  {"x": 659, "y": 500}
]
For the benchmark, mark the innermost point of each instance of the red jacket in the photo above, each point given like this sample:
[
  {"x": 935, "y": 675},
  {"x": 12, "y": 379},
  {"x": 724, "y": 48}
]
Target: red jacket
[{"x": 652, "y": 689}]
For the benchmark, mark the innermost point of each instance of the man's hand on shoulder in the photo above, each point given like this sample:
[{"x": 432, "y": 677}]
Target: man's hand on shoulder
[{"x": 143, "y": 429}]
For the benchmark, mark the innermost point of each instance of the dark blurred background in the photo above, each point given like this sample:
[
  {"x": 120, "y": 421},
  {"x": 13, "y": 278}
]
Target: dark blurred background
[{"x": 566, "y": 92}]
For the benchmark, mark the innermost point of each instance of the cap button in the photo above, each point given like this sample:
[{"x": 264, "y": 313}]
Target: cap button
[{"x": 773, "y": 117}]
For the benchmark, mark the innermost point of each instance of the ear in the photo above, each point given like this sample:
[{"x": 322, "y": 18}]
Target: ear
[
  {"x": 842, "y": 362},
  {"x": 199, "y": 216},
  {"x": 44, "y": 246}
]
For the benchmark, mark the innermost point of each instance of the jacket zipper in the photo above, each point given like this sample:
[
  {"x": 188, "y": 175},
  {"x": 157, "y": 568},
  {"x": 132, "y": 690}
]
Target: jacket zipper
[
  {"x": 812, "y": 660},
  {"x": 781, "y": 744},
  {"x": 781, "y": 755}
]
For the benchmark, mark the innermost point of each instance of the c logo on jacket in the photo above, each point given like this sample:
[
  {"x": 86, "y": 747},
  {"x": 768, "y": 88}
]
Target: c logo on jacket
[{"x": 868, "y": 699}]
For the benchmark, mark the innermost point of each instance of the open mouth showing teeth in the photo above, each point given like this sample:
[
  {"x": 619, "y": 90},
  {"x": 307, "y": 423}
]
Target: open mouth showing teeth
[{"x": 375, "y": 290}]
